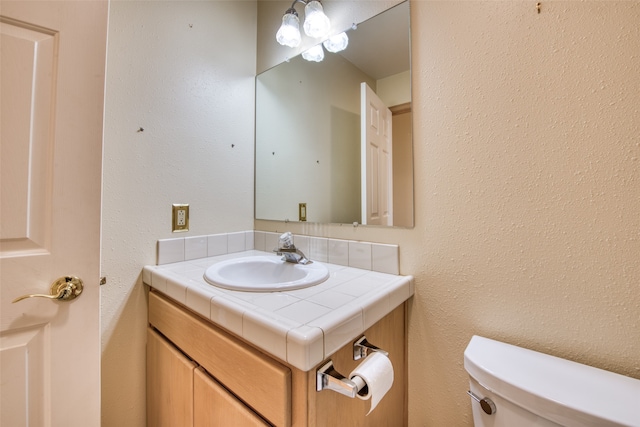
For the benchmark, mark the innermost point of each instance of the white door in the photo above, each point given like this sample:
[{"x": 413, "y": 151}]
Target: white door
[
  {"x": 52, "y": 70},
  {"x": 377, "y": 159}
]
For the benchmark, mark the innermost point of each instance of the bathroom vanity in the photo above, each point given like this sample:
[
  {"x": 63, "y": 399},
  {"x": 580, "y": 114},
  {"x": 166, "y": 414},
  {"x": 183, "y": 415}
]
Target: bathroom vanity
[{"x": 225, "y": 358}]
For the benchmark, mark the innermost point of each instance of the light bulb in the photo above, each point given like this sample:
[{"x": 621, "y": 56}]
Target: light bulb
[
  {"x": 336, "y": 43},
  {"x": 289, "y": 32},
  {"x": 316, "y": 23},
  {"x": 315, "y": 54}
]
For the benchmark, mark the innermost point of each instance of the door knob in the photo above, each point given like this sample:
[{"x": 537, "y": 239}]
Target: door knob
[{"x": 64, "y": 288}]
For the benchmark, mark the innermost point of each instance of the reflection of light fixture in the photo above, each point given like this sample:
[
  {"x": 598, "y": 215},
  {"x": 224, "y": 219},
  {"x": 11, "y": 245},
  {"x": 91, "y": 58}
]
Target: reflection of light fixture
[
  {"x": 336, "y": 43},
  {"x": 316, "y": 23},
  {"x": 315, "y": 53}
]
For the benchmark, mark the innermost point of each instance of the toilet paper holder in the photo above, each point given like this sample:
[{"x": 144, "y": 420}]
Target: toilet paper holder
[
  {"x": 362, "y": 348},
  {"x": 328, "y": 378}
]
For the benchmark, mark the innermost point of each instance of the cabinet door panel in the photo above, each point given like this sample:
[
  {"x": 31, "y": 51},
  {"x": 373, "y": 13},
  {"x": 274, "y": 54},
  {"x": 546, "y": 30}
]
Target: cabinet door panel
[
  {"x": 169, "y": 384},
  {"x": 214, "y": 406}
]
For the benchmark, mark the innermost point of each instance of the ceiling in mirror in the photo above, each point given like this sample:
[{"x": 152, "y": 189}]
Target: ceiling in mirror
[
  {"x": 312, "y": 147},
  {"x": 380, "y": 47}
]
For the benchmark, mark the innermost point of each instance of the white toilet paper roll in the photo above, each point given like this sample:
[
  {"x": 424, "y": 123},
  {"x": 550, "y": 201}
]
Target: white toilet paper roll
[{"x": 377, "y": 371}]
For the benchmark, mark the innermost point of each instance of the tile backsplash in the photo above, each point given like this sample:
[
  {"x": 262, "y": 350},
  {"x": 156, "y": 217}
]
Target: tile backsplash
[{"x": 378, "y": 257}]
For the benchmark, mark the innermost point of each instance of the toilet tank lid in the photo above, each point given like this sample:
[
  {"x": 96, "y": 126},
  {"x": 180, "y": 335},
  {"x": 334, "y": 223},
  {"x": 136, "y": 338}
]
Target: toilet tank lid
[{"x": 563, "y": 391}]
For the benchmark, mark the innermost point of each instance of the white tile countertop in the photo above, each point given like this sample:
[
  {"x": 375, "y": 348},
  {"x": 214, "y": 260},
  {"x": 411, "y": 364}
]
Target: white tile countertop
[{"x": 301, "y": 327}]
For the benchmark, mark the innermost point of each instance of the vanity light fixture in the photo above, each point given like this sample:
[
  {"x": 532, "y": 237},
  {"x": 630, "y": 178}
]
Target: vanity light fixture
[
  {"x": 316, "y": 23},
  {"x": 289, "y": 32}
]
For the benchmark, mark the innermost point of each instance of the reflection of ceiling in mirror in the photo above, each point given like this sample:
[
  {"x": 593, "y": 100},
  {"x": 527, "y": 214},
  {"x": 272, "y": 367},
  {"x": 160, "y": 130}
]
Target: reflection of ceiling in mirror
[{"x": 379, "y": 38}]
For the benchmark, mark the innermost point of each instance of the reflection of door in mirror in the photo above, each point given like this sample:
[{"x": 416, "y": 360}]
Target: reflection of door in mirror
[
  {"x": 402, "y": 156},
  {"x": 377, "y": 159}
]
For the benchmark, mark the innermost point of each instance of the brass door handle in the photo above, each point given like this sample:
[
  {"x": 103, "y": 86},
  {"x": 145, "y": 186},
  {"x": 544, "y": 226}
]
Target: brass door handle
[{"x": 64, "y": 288}]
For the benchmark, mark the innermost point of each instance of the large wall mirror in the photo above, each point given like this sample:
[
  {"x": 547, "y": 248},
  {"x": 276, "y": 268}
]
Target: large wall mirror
[{"x": 315, "y": 157}]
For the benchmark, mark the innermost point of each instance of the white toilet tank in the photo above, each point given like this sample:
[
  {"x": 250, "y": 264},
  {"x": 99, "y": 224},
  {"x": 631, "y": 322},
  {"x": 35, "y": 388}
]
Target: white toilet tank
[{"x": 528, "y": 388}]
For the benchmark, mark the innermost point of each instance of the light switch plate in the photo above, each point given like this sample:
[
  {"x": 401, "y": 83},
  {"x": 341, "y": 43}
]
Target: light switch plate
[{"x": 180, "y": 217}]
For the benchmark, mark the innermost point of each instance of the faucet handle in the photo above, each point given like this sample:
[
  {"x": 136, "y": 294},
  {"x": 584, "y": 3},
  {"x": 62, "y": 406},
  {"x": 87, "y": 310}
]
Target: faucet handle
[{"x": 286, "y": 240}]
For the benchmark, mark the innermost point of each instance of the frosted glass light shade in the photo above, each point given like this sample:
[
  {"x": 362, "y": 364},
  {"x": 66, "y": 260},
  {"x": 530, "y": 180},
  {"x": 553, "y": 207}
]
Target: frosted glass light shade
[
  {"x": 316, "y": 23},
  {"x": 336, "y": 43},
  {"x": 315, "y": 54},
  {"x": 289, "y": 32}
]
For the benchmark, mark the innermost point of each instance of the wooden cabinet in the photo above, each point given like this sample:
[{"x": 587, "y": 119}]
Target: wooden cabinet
[
  {"x": 253, "y": 377},
  {"x": 169, "y": 384},
  {"x": 200, "y": 375},
  {"x": 180, "y": 393},
  {"x": 214, "y": 406}
]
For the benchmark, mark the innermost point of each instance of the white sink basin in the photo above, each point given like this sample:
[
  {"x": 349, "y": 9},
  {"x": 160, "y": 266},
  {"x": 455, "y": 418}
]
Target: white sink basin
[{"x": 264, "y": 274}]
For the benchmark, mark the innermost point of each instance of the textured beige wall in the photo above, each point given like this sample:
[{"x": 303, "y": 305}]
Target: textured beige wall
[
  {"x": 172, "y": 71},
  {"x": 527, "y": 170}
]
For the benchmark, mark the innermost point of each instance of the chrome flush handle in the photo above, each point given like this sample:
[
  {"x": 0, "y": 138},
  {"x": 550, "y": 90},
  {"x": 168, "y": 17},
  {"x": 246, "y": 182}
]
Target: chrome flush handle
[{"x": 486, "y": 404}]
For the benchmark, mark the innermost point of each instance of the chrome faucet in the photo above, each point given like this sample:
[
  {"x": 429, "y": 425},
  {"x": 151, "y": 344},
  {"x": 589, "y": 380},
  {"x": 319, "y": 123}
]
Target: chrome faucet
[{"x": 288, "y": 250}]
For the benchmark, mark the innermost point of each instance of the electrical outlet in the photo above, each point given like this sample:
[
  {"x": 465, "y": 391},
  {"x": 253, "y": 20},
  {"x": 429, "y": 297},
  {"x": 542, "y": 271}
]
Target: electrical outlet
[{"x": 180, "y": 218}]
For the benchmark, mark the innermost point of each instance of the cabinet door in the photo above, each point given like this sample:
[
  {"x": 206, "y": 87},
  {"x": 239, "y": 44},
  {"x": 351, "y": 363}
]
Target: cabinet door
[
  {"x": 214, "y": 406},
  {"x": 169, "y": 384}
]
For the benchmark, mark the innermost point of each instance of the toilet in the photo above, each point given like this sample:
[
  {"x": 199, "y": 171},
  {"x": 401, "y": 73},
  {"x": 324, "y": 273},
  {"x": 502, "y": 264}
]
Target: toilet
[{"x": 514, "y": 387}]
